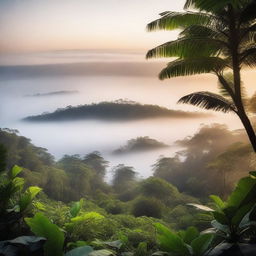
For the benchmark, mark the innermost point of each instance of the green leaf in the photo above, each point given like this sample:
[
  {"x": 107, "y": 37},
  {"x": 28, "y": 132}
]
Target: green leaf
[
  {"x": 114, "y": 244},
  {"x": 27, "y": 197},
  {"x": 221, "y": 218},
  {"x": 42, "y": 226},
  {"x": 26, "y": 240},
  {"x": 244, "y": 193},
  {"x": 220, "y": 227},
  {"x": 159, "y": 253},
  {"x": 190, "y": 234},
  {"x": 15, "y": 171},
  {"x": 201, "y": 244},
  {"x": 169, "y": 241},
  {"x": 75, "y": 209},
  {"x": 102, "y": 252},
  {"x": 17, "y": 184},
  {"x": 218, "y": 201},
  {"x": 80, "y": 251},
  {"x": 22, "y": 245},
  {"x": 76, "y": 244},
  {"x": 241, "y": 212}
]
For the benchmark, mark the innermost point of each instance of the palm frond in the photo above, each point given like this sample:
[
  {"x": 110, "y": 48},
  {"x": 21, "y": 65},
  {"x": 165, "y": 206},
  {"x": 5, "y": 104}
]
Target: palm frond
[
  {"x": 249, "y": 57},
  {"x": 187, "y": 47},
  {"x": 193, "y": 66},
  {"x": 214, "y": 5},
  {"x": 229, "y": 78},
  {"x": 208, "y": 100},
  {"x": 249, "y": 13},
  {"x": 248, "y": 35},
  {"x": 206, "y": 5},
  {"x": 175, "y": 20},
  {"x": 200, "y": 31}
]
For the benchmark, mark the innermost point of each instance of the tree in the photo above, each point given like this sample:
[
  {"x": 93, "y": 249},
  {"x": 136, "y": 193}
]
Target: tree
[
  {"x": 95, "y": 161},
  {"x": 124, "y": 178},
  {"x": 216, "y": 37}
]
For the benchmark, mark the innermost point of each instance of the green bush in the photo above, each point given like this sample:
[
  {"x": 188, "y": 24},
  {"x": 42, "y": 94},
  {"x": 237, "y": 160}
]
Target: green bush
[
  {"x": 114, "y": 206},
  {"x": 137, "y": 236},
  {"x": 90, "y": 226},
  {"x": 180, "y": 217},
  {"x": 149, "y": 207}
]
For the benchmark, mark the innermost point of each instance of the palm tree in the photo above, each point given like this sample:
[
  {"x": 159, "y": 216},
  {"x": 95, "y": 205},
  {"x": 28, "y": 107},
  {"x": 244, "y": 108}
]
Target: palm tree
[{"x": 218, "y": 37}]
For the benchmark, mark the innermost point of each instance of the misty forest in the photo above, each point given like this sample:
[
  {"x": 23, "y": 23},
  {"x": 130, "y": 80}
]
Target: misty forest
[{"x": 117, "y": 141}]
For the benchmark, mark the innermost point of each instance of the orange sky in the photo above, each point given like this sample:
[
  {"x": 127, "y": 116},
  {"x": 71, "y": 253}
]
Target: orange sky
[{"x": 37, "y": 25}]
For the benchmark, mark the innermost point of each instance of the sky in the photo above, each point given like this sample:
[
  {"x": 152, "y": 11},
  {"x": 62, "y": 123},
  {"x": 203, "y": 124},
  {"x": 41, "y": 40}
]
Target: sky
[{"x": 42, "y": 25}]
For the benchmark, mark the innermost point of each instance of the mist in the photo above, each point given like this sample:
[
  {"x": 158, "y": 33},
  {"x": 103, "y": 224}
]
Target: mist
[{"x": 95, "y": 82}]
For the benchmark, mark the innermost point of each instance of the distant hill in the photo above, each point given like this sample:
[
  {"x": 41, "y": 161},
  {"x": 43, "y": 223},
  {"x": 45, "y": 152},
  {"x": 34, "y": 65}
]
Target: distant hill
[
  {"x": 55, "y": 93},
  {"x": 117, "y": 110},
  {"x": 140, "y": 144}
]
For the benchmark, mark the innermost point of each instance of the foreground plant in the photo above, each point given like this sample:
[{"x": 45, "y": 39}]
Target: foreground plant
[
  {"x": 15, "y": 203},
  {"x": 219, "y": 39},
  {"x": 234, "y": 220},
  {"x": 184, "y": 243}
]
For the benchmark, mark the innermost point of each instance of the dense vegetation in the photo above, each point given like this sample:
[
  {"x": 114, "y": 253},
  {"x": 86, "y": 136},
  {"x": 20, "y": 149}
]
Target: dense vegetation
[
  {"x": 117, "y": 110},
  {"x": 121, "y": 217},
  {"x": 53, "y": 208}
]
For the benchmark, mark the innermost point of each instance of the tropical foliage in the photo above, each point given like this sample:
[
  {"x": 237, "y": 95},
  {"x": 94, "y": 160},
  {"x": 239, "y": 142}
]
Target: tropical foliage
[{"x": 216, "y": 37}]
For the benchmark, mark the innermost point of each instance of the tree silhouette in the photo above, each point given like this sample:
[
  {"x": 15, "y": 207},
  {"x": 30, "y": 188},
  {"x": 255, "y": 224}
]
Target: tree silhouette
[{"x": 216, "y": 37}]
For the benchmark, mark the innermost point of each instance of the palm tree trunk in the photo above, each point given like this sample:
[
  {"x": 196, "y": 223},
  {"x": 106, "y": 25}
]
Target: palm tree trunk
[
  {"x": 234, "y": 47},
  {"x": 248, "y": 127}
]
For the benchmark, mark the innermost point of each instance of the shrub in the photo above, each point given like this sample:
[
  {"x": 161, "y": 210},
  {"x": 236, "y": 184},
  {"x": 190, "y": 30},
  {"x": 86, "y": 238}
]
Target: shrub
[
  {"x": 90, "y": 226},
  {"x": 149, "y": 207}
]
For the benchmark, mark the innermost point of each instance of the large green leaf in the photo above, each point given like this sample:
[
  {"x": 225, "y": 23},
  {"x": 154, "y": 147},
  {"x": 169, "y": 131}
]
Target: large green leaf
[
  {"x": 221, "y": 217},
  {"x": 170, "y": 241},
  {"x": 80, "y": 251},
  {"x": 76, "y": 207},
  {"x": 241, "y": 212},
  {"x": 22, "y": 245},
  {"x": 15, "y": 171},
  {"x": 218, "y": 226},
  {"x": 190, "y": 234},
  {"x": 244, "y": 193},
  {"x": 201, "y": 244},
  {"x": 27, "y": 197},
  {"x": 218, "y": 201},
  {"x": 42, "y": 226},
  {"x": 102, "y": 252}
]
